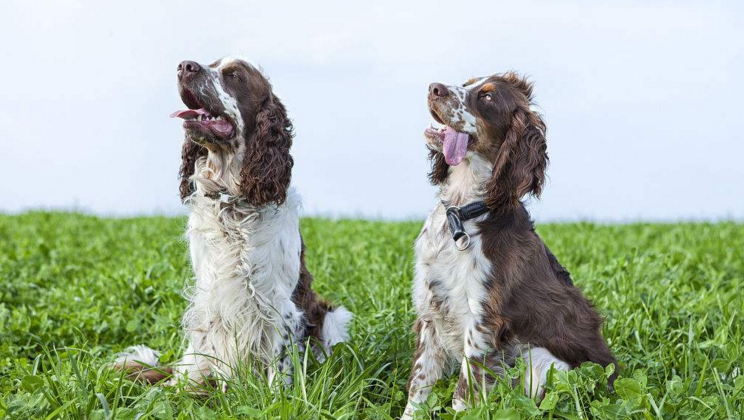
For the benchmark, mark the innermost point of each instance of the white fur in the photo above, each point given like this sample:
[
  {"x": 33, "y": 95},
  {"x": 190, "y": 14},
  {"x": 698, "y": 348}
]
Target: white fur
[
  {"x": 228, "y": 102},
  {"x": 140, "y": 354},
  {"x": 246, "y": 262},
  {"x": 538, "y": 362},
  {"x": 336, "y": 326},
  {"x": 460, "y": 281},
  {"x": 460, "y": 116},
  {"x": 431, "y": 367}
]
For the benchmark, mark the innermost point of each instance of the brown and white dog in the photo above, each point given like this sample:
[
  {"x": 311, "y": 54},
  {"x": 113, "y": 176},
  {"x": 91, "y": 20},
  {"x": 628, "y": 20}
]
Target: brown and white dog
[
  {"x": 252, "y": 296},
  {"x": 497, "y": 293}
]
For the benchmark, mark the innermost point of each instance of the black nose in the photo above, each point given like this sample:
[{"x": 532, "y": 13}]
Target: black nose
[
  {"x": 186, "y": 68},
  {"x": 438, "y": 90}
]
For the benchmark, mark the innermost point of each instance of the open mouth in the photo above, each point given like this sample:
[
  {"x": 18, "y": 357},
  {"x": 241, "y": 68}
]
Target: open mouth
[
  {"x": 200, "y": 117},
  {"x": 434, "y": 115},
  {"x": 454, "y": 143}
]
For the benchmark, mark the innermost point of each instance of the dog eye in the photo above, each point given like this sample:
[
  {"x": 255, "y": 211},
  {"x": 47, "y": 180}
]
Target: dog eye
[
  {"x": 487, "y": 96},
  {"x": 231, "y": 75}
]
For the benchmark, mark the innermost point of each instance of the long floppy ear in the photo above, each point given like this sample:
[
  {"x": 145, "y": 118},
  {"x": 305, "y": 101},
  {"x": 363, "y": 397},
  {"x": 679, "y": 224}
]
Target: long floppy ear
[
  {"x": 520, "y": 165},
  {"x": 189, "y": 154},
  {"x": 267, "y": 164},
  {"x": 439, "y": 168}
]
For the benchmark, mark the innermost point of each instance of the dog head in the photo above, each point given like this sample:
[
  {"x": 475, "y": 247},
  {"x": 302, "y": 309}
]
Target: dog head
[
  {"x": 232, "y": 110},
  {"x": 490, "y": 117}
]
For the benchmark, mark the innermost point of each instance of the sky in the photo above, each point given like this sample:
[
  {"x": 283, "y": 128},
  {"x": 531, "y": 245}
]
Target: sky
[{"x": 642, "y": 100}]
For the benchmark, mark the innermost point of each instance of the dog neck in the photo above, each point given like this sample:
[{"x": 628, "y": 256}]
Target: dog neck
[
  {"x": 466, "y": 182},
  {"x": 218, "y": 172}
]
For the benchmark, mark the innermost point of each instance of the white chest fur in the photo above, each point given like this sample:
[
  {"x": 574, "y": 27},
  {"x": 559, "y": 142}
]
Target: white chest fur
[
  {"x": 246, "y": 263},
  {"x": 449, "y": 285}
]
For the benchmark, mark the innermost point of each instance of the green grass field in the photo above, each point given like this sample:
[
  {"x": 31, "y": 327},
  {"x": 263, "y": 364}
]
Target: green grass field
[{"x": 75, "y": 289}]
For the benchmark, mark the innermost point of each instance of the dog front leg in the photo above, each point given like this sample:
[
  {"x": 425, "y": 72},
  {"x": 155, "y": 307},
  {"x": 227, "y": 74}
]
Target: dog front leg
[
  {"x": 194, "y": 366},
  {"x": 290, "y": 333},
  {"x": 428, "y": 365},
  {"x": 480, "y": 351}
]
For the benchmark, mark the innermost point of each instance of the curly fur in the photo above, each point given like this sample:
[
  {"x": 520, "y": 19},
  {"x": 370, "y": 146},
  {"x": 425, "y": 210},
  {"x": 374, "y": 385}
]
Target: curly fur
[
  {"x": 521, "y": 162},
  {"x": 267, "y": 164},
  {"x": 439, "y": 167},
  {"x": 190, "y": 152}
]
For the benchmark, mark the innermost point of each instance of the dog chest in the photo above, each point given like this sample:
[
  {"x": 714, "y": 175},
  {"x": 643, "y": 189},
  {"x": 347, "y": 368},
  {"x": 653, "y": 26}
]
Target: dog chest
[
  {"x": 450, "y": 284},
  {"x": 246, "y": 269}
]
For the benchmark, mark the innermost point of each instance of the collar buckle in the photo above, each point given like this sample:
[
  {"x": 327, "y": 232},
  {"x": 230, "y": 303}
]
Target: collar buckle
[{"x": 455, "y": 218}]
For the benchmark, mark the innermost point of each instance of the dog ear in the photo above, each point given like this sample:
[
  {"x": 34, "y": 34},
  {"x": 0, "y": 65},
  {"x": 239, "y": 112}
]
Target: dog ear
[
  {"x": 267, "y": 164},
  {"x": 521, "y": 162},
  {"x": 189, "y": 155}
]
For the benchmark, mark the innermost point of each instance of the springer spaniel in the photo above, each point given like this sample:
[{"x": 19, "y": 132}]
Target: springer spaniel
[
  {"x": 252, "y": 297},
  {"x": 487, "y": 290}
]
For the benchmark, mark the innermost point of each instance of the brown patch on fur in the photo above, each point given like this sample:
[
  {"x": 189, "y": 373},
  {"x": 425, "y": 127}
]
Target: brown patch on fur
[
  {"x": 417, "y": 326},
  {"x": 520, "y": 166},
  {"x": 439, "y": 167},
  {"x": 314, "y": 308},
  {"x": 415, "y": 378},
  {"x": 139, "y": 372},
  {"x": 533, "y": 295},
  {"x": 189, "y": 155},
  {"x": 267, "y": 164},
  {"x": 488, "y": 87}
]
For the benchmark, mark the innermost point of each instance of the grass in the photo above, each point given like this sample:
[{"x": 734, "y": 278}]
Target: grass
[{"x": 75, "y": 289}]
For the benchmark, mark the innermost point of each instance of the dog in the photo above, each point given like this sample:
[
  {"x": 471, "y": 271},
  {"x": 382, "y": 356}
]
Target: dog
[
  {"x": 252, "y": 296},
  {"x": 487, "y": 290}
]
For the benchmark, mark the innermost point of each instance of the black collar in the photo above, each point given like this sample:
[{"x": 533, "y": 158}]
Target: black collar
[{"x": 457, "y": 215}]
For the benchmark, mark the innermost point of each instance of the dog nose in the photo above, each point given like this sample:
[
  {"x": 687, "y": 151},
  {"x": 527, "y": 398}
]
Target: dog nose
[
  {"x": 186, "y": 68},
  {"x": 438, "y": 90}
]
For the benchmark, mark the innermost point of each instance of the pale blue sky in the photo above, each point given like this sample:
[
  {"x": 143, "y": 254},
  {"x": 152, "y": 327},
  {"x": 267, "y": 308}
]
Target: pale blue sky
[{"x": 642, "y": 99}]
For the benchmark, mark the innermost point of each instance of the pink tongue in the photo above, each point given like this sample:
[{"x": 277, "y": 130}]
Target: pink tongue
[
  {"x": 222, "y": 126},
  {"x": 455, "y": 145},
  {"x": 189, "y": 113}
]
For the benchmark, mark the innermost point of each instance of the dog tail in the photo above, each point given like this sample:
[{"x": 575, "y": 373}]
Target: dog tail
[
  {"x": 336, "y": 326},
  {"x": 142, "y": 364}
]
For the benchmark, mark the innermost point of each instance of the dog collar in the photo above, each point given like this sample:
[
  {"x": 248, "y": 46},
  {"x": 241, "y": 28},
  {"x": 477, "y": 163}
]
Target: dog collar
[{"x": 457, "y": 215}]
